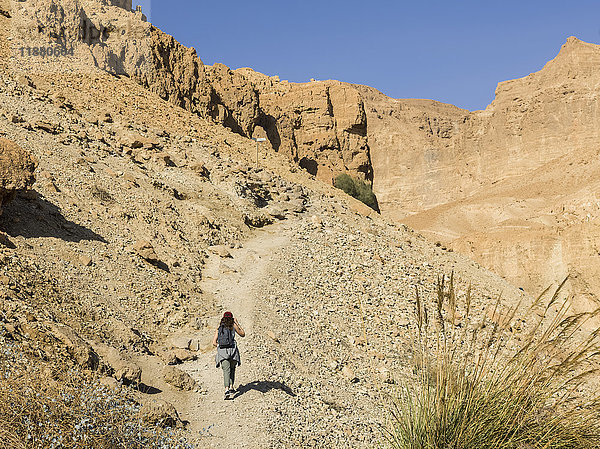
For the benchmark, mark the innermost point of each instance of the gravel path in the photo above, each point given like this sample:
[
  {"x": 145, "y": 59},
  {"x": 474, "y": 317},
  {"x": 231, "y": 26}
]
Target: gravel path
[
  {"x": 235, "y": 283},
  {"x": 326, "y": 304}
]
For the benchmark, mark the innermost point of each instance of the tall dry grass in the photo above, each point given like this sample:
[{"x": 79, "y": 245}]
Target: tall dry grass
[{"x": 508, "y": 378}]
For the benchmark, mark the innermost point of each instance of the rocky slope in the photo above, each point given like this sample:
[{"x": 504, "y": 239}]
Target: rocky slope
[
  {"x": 148, "y": 221},
  {"x": 321, "y": 126},
  {"x": 17, "y": 169}
]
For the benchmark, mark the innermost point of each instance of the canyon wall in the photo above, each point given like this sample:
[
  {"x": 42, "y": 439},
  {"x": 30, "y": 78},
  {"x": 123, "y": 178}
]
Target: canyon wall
[
  {"x": 427, "y": 153},
  {"x": 320, "y": 125},
  {"x": 515, "y": 186}
]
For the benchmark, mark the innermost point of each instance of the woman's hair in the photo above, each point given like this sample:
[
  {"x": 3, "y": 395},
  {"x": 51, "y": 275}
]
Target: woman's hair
[{"x": 227, "y": 321}]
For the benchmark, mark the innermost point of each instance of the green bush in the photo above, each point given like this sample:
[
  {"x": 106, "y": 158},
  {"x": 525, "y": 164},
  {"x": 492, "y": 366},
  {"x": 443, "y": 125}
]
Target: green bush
[
  {"x": 357, "y": 189},
  {"x": 486, "y": 383}
]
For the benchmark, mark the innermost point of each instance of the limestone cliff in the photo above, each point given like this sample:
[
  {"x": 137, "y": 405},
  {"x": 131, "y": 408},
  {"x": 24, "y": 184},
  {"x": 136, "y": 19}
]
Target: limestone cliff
[
  {"x": 321, "y": 125},
  {"x": 514, "y": 186},
  {"x": 427, "y": 153}
]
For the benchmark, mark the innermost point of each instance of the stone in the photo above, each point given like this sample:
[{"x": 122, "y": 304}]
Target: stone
[
  {"x": 24, "y": 80},
  {"x": 276, "y": 211},
  {"x": 17, "y": 168},
  {"x": 221, "y": 251},
  {"x": 184, "y": 355},
  {"x": 111, "y": 383},
  {"x": 145, "y": 250},
  {"x": 133, "y": 141},
  {"x": 385, "y": 375},
  {"x": 84, "y": 260},
  {"x": 119, "y": 367},
  {"x": 178, "y": 378},
  {"x": 80, "y": 350},
  {"x": 272, "y": 336},
  {"x": 46, "y": 126},
  {"x": 127, "y": 372},
  {"x": 160, "y": 413},
  {"x": 200, "y": 169},
  {"x": 164, "y": 159},
  {"x": 348, "y": 373},
  {"x": 177, "y": 356}
]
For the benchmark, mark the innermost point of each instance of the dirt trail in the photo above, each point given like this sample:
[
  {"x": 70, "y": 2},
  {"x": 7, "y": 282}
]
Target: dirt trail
[{"x": 233, "y": 282}]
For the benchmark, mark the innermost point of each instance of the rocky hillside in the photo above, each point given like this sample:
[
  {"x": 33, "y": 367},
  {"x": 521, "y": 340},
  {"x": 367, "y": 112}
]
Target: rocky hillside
[
  {"x": 148, "y": 220},
  {"x": 320, "y": 126},
  {"x": 426, "y": 153},
  {"x": 512, "y": 186},
  {"x": 421, "y": 156}
]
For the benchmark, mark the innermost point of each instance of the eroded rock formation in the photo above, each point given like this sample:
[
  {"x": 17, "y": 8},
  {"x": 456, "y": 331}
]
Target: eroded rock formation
[
  {"x": 514, "y": 186},
  {"x": 320, "y": 125}
]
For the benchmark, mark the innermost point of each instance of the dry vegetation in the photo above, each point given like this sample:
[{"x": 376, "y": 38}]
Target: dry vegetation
[
  {"x": 48, "y": 406},
  {"x": 495, "y": 382}
]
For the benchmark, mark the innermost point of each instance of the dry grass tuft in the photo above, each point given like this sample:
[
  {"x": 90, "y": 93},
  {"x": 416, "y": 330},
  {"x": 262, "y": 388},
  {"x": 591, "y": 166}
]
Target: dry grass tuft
[{"x": 498, "y": 381}]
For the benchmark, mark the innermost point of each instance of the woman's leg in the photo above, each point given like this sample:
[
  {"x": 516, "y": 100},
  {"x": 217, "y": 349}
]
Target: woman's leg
[
  {"x": 226, "y": 365},
  {"x": 233, "y": 365}
]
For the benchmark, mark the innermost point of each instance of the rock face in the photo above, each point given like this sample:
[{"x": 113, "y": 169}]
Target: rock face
[
  {"x": 319, "y": 125},
  {"x": 16, "y": 170},
  {"x": 410, "y": 140},
  {"x": 322, "y": 125},
  {"x": 514, "y": 186}
]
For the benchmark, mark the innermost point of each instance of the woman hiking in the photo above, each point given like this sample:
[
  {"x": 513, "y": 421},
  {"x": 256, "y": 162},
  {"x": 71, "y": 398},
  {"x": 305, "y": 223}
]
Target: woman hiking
[{"x": 228, "y": 355}]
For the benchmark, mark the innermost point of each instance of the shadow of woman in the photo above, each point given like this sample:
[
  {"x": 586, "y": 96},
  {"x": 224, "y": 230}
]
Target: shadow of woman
[{"x": 263, "y": 386}]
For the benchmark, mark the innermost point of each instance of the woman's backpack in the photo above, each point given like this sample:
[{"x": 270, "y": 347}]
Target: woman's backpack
[{"x": 225, "y": 337}]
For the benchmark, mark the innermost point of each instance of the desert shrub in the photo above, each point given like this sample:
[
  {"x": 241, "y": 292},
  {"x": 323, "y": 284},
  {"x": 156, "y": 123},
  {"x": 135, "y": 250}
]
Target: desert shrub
[
  {"x": 45, "y": 406},
  {"x": 357, "y": 189},
  {"x": 498, "y": 382}
]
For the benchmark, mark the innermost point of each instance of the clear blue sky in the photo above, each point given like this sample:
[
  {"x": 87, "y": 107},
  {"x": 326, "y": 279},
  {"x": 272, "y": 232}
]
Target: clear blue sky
[{"x": 455, "y": 52}]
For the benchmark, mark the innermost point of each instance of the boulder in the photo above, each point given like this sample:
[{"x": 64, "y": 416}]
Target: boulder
[
  {"x": 80, "y": 350},
  {"x": 178, "y": 379},
  {"x": 119, "y": 367},
  {"x": 160, "y": 413},
  {"x": 17, "y": 168},
  {"x": 177, "y": 356}
]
